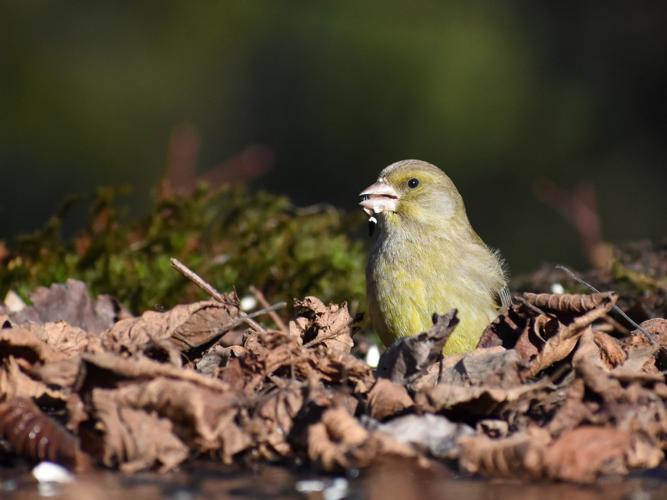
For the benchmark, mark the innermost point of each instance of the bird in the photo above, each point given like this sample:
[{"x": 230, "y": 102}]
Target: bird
[{"x": 425, "y": 258}]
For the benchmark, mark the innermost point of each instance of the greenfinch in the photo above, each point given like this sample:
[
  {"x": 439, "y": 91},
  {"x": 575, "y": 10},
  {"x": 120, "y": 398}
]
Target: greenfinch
[{"x": 426, "y": 258}]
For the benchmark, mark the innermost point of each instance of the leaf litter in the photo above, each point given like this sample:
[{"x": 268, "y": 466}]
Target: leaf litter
[{"x": 555, "y": 390}]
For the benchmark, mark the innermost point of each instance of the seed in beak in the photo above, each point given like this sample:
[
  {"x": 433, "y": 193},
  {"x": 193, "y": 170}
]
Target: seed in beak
[{"x": 372, "y": 222}]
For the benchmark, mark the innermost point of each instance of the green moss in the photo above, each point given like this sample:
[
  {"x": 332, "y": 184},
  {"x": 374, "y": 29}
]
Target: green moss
[{"x": 232, "y": 237}]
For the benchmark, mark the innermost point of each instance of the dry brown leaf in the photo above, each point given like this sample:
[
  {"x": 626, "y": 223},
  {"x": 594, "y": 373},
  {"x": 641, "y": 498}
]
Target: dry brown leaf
[
  {"x": 25, "y": 344},
  {"x": 610, "y": 349},
  {"x": 71, "y": 302},
  {"x": 581, "y": 455},
  {"x": 204, "y": 416},
  {"x": 339, "y": 441},
  {"x": 474, "y": 401},
  {"x": 185, "y": 326},
  {"x": 281, "y": 354},
  {"x": 317, "y": 323},
  {"x": 656, "y": 327},
  {"x": 386, "y": 399},
  {"x": 63, "y": 373},
  {"x": 409, "y": 357},
  {"x": 520, "y": 455},
  {"x": 14, "y": 383},
  {"x": 557, "y": 348},
  {"x": 135, "y": 440},
  {"x": 573, "y": 411},
  {"x": 197, "y": 415},
  {"x": 65, "y": 338},
  {"x": 342, "y": 368},
  {"x": 331, "y": 439},
  {"x": 569, "y": 303},
  {"x": 107, "y": 369},
  {"x": 274, "y": 420},
  {"x": 33, "y": 435},
  {"x": 507, "y": 328},
  {"x": 643, "y": 453}
]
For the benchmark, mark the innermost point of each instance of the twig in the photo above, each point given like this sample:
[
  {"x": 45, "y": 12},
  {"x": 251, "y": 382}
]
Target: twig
[
  {"x": 579, "y": 280},
  {"x": 265, "y": 303},
  {"x": 206, "y": 287}
]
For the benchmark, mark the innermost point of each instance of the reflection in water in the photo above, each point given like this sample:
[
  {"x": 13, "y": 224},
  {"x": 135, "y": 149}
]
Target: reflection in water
[{"x": 390, "y": 479}]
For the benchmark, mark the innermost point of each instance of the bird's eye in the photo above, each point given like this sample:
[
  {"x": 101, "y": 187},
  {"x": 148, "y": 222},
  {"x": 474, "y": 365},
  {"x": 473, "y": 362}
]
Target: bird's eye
[{"x": 413, "y": 183}]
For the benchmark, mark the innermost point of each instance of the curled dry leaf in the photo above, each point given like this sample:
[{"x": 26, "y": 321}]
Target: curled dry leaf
[
  {"x": 71, "y": 302},
  {"x": 66, "y": 339},
  {"x": 151, "y": 392},
  {"x": 42, "y": 359},
  {"x": 317, "y": 323},
  {"x": 274, "y": 420},
  {"x": 185, "y": 412},
  {"x": 569, "y": 303},
  {"x": 474, "y": 401},
  {"x": 561, "y": 345},
  {"x": 109, "y": 369},
  {"x": 339, "y": 441},
  {"x": 409, "y": 357},
  {"x": 33, "y": 435},
  {"x": 573, "y": 411},
  {"x": 135, "y": 440},
  {"x": 610, "y": 349},
  {"x": 581, "y": 454},
  {"x": 387, "y": 399},
  {"x": 281, "y": 354},
  {"x": 520, "y": 455},
  {"x": 185, "y": 327},
  {"x": 22, "y": 343},
  {"x": 14, "y": 382}
]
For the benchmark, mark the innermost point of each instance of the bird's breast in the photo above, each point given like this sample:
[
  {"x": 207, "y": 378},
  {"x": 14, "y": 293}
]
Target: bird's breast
[{"x": 411, "y": 278}]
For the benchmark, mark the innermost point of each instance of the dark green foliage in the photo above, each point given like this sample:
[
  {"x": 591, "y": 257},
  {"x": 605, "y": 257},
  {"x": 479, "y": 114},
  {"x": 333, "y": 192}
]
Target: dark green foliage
[{"x": 232, "y": 237}]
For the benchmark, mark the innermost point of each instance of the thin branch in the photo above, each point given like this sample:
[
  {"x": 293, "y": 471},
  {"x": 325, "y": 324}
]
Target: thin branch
[
  {"x": 265, "y": 303},
  {"x": 579, "y": 280},
  {"x": 208, "y": 288}
]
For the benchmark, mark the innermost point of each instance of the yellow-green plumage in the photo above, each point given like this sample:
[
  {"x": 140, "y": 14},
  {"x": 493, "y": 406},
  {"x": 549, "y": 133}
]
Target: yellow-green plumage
[{"x": 426, "y": 259}]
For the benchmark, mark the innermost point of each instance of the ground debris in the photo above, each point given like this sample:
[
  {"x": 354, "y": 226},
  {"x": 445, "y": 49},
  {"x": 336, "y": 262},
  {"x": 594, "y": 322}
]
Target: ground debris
[
  {"x": 569, "y": 303},
  {"x": 71, "y": 302},
  {"x": 411, "y": 357},
  {"x": 34, "y": 435},
  {"x": 556, "y": 390}
]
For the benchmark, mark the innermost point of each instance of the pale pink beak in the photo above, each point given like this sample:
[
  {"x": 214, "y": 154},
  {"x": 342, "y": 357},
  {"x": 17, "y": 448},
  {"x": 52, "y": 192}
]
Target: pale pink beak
[{"x": 379, "y": 197}]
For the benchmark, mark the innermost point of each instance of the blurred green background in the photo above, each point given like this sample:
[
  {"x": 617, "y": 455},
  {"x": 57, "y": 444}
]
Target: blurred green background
[{"x": 321, "y": 95}]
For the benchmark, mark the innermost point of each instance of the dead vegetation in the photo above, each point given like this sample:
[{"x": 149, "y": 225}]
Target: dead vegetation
[{"x": 555, "y": 389}]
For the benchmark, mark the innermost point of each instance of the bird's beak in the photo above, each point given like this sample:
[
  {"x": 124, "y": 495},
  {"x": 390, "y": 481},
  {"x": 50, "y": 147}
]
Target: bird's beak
[{"x": 379, "y": 197}]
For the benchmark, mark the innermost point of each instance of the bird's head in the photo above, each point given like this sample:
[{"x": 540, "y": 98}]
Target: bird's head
[{"x": 413, "y": 191}]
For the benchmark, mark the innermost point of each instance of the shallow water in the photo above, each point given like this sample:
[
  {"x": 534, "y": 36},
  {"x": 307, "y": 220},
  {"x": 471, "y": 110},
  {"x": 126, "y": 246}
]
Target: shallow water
[{"x": 386, "y": 481}]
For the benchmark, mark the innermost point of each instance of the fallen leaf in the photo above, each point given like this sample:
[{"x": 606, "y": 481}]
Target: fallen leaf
[
  {"x": 520, "y": 455},
  {"x": 386, "y": 399},
  {"x": 317, "y": 323},
  {"x": 71, "y": 302},
  {"x": 185, "y": 326},
  {"x": 581, "y": 455},
  {"x": 34, "y": 436},
  {"x": 410, "y": 357}
]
